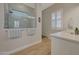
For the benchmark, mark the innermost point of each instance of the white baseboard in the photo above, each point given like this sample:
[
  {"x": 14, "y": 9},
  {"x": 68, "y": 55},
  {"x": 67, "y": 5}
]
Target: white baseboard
[{"x": 19, "y": 49}]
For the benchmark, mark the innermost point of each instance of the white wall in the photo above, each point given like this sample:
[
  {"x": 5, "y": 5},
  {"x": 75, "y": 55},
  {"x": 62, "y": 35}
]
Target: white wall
[
  {"x": 70, "y": 13},
  {"x": 2, "y": 32},
  {"x": 1, "y": 16},
  {"x": 71, "y": 16},
  {"x": 39, "y": 24},
  {"x": 46, "y": 22}
]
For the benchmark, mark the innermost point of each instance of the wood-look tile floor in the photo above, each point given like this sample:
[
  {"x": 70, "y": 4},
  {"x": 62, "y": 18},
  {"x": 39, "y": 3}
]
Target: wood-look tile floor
[{"x": 43, "y": 48}]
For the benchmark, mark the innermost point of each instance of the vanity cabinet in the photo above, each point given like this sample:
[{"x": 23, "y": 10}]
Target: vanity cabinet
[{"x": 64, "y": 45}]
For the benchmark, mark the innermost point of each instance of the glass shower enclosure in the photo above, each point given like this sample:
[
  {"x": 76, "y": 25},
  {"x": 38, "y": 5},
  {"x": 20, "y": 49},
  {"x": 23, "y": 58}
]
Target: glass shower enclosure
[{"x": 18, "y": 20}]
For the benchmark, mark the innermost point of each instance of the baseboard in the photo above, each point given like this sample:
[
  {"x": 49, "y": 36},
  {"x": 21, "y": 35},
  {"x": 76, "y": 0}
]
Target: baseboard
[{"x": 21, "y": 48}]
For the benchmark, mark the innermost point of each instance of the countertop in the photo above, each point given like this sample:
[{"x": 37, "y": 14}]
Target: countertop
[{"x": 66, "y": 35}]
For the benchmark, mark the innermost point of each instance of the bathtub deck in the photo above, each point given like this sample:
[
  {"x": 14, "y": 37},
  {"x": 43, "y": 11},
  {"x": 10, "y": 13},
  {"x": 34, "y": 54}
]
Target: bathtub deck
[{"x": 43, "y": 48}]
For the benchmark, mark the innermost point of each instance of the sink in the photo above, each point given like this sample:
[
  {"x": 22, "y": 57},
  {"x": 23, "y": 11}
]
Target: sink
[{"x": 70, "y": 32}]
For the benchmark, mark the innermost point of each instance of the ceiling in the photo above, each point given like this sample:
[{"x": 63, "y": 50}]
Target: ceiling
[
  {"x": 46, "y": 5},
  {"x": 43, "y": 5},
  {"x": 30, "y": 4}
]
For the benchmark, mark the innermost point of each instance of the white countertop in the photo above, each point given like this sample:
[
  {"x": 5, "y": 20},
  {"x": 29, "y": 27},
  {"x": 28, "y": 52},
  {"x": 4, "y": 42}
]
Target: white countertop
[{"x": 66, "y": 36}]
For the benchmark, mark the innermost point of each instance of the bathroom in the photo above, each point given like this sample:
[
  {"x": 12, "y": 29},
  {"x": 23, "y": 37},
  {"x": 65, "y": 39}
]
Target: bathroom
[
  {"x": 22, "y": 25},
  {"x": 39, "y": 29}
]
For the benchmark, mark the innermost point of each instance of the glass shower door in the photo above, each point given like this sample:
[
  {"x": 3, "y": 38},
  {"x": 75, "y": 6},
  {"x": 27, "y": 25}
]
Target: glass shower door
[{"x": 18, "y": 21}]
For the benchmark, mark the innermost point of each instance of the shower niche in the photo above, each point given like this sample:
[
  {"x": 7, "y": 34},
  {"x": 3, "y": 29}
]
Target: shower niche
[{"x": 19, "y": 17}]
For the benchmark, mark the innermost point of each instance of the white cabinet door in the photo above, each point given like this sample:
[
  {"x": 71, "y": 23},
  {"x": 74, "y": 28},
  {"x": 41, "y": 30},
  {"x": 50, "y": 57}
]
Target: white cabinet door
[{"x": 64, "y": 47}]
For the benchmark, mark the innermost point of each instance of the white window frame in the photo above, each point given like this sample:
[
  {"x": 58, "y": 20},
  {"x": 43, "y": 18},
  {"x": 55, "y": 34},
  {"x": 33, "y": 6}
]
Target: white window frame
[{"x": 54, "y": 26}]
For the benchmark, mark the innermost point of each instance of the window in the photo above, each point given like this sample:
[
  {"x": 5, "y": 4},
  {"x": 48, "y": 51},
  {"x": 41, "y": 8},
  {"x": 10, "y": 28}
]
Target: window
[{"x": 57, "y": 20}]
